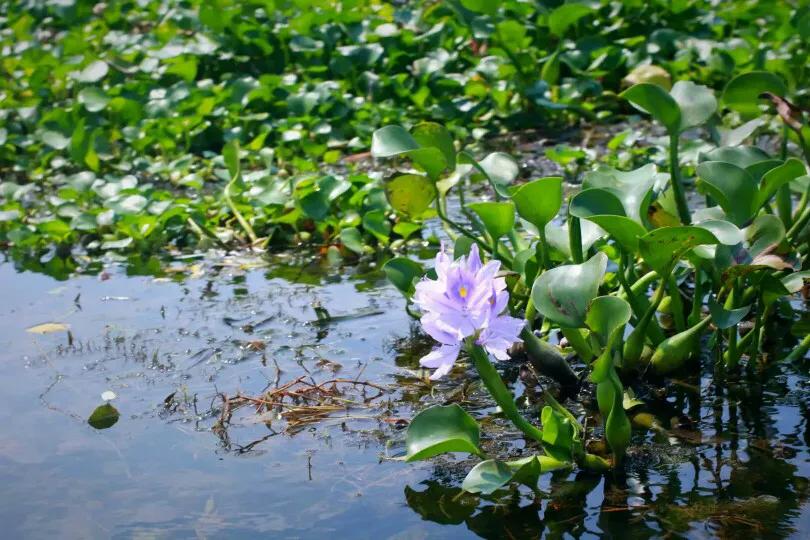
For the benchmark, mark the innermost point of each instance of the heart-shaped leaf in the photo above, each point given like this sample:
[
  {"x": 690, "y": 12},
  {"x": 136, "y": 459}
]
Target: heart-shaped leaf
[
  {"x": 498, "y": 217},
  {"x": 562, "y": 294},
  {"x": 440, "y": 429},
  {"x": 539, "y": 201}
]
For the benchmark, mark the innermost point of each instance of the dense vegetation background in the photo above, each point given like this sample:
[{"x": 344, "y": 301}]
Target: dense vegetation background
[{"x": 115, "y": 115}]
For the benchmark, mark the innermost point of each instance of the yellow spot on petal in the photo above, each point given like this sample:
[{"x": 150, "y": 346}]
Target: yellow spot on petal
[{"x": 462, "y": 292}]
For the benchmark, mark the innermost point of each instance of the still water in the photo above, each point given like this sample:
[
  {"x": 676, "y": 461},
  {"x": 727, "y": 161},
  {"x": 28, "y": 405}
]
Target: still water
[{"x": 186, "y": 344}]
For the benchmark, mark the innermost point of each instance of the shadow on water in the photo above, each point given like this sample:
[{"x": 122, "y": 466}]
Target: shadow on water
[{"x": 711, "y": 457}]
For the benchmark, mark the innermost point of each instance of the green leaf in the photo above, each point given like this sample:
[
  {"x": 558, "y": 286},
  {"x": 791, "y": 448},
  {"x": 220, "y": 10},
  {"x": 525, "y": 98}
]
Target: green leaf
[
  {"x": 657, "y": 102},
  {"x": 352, "y": 239},
  {"x": 498, "y": 217},
  {"x": 392, "y": 141},
  {"x": 733, "y": 188},
  {"x": 377, "y": 224},
  {"x": 402, "y": 272},
  {"x": 431, "y": 134},
  {"x": 661, "y": 248},
  {"x": 93, "y": 99},
  {"x": 697, "y": 103},
  {"x": 776, "y": 178},
  {"x": 410, "y": 194},
  {"x": 489, "y": 7},
  {"x": 742, "y": 92},
  {"x": 618, "y": 429},
  {"x": 633, "y": 188},
  {"x": 623, "y": 229},
  {"x": 557, "y": 429},
  {"x": 561, "y": 19},
  {"x": 105, "y": 416},
  {"x": 539, "y": 201},
  {"x": 606, "y": 316},
  {"x": 93, "y": 72},
  {"x": 563, "y": 294},
  {"x": 595, "y": 201},
  {"x": 498, "y": 168},
  {"x": 487, "y": 477},
  {"x": 726, "y": 318},
  {"x": 440, "y": 429}
]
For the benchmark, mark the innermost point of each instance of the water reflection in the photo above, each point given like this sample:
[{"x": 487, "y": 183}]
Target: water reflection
[{"x": 735, "y": 463}]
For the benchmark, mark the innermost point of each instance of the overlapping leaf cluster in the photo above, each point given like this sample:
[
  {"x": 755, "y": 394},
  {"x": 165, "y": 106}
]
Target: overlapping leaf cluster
[
  {"x": 633, "y": 273},
  {"x": 115, "y": 115}
]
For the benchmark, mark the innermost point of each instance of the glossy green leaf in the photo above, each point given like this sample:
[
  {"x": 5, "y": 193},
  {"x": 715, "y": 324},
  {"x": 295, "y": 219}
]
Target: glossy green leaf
[
  {"x": 402, "y": 272},
  {"x": 431, "y": 134},
  {"x": 498, "y": 217},
  {"x": 353, "y": 240},
  {"x": 606, "y": 316},
  {"x": 776, "y": 178},
  {"x": 657, "y": 102},
  {"x": 392, "y": 141},
  {"x": 563, "y": 294},
  {"x": 104, "y": 416},
  {"x": 742, "y": 92},
  {"x": 539, "y": 201},
  {"x": 732, "y": 187},
  {"x": 633, "y": 188},
  {"x": 441, "y": 429},
  {"x": 696, "y": 102},
  {"x": 487, "y": 477},
  {"x": 595, "y": 201}
]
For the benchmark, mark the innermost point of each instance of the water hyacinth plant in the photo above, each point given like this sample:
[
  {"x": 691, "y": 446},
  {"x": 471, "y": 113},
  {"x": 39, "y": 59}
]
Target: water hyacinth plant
[{"x": 635, "y": 276}]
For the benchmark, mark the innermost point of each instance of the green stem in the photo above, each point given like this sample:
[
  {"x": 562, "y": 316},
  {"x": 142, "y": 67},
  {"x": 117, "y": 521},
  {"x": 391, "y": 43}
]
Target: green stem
[
  {"x": 575, "y": 239},
  {"x": 542, "y": 250},
  {"x": 799, "y": 224},
  {"x": 677, "y": 183},
  {"x": 503, "y": 397},
  {"x": 801, "y": 350},
  {"x": 578, "y": 342}
]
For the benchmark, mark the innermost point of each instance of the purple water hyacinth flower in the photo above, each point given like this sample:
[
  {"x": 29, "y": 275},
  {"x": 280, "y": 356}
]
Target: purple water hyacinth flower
[{"x": 466, "y": 299}]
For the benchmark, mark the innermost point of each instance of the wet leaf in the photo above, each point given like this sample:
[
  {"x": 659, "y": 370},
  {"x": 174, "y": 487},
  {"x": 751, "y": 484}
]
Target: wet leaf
[
  {"x": 487, "y": 477},
  {"x": 104, "y": 417},
  {"x": 662, "y": 247},
  {"x": 441, "y": 429}
]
